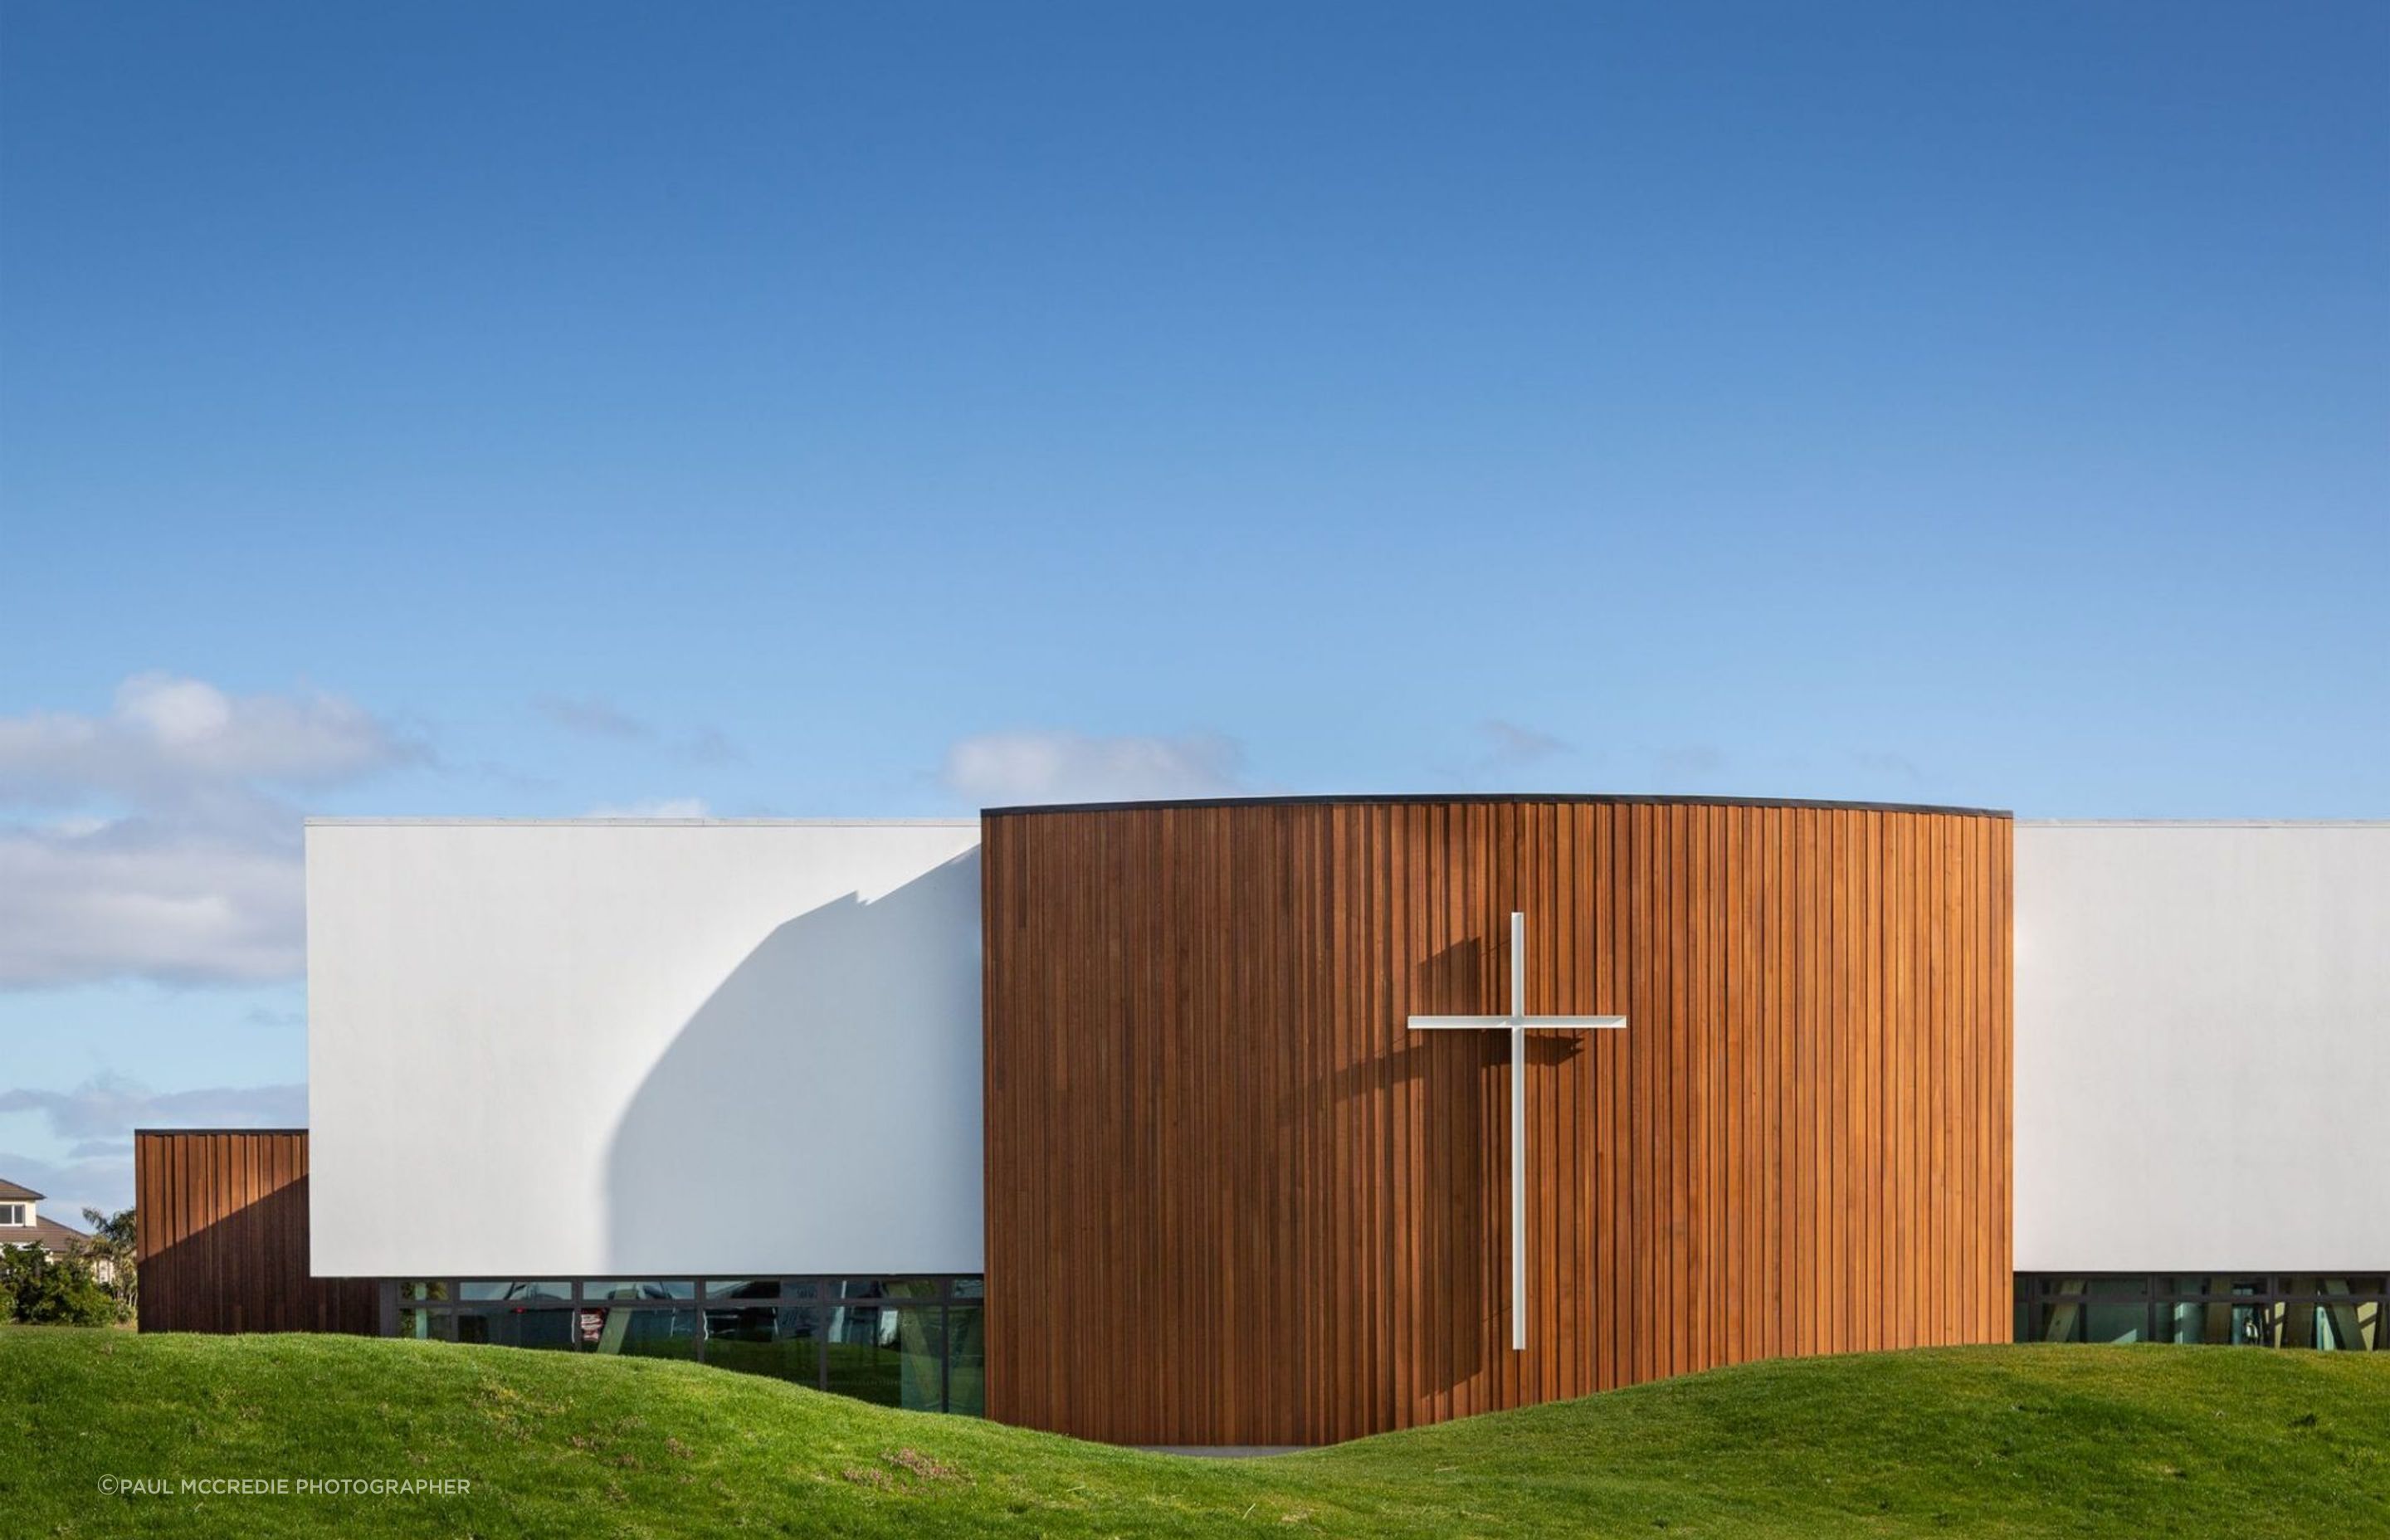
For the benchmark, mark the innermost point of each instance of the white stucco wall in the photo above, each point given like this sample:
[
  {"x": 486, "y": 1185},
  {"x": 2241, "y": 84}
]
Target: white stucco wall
[
  {"x": 542, "y": 1050},
  {"x": 2203, "y": 1046}
]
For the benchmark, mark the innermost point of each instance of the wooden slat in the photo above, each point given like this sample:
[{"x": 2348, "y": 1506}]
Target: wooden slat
[
  {"x": 224, "y": 1237},
  {"x": 1232, "y": 1200}
]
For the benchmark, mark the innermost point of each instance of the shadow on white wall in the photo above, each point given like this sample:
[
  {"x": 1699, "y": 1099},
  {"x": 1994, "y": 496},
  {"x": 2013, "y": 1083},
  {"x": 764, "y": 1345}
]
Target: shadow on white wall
[{"x": 828, "y": 1062}]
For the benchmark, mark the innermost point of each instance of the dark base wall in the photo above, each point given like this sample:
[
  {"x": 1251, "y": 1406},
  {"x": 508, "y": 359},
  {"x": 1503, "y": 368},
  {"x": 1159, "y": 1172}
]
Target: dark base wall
[{"x": 224, "y": 1237}]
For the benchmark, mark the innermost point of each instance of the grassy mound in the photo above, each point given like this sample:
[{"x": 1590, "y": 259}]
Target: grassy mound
[{"x": 1979, "y": 1441}]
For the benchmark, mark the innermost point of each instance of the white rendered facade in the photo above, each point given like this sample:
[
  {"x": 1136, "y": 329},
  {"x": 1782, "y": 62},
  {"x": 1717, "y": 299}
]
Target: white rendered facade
[
  {"x": 626, "y": 1047},
  {"x": 2202, "y": 1047},
  {"x": 623, "y": 1048}
]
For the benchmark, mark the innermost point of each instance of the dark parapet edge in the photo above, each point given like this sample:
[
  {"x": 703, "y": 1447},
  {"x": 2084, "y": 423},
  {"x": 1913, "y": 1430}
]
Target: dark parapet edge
[{"x": 1450, "y": 798}]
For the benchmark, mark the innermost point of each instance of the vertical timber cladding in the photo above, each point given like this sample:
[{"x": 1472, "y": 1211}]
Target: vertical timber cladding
[
  {"x": 1231, "y": 1199},
  {"x": 224, "y": 1237}
]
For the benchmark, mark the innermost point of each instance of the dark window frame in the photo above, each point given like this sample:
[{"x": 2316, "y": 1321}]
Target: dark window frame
[
  {"x": 816, "y": 1293},
  {"x": 2268, "y": 1297}
]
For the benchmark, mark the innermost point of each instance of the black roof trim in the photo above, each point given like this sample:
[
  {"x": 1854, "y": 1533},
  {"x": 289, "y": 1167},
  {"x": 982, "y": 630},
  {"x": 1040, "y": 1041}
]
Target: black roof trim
[
  {"x": 219, "y": 1131},
  {"x": 1411, "y": 798}
]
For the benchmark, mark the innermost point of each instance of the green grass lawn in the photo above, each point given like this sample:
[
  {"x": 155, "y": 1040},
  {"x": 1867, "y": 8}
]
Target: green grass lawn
[{"x": 2072, "y": 1440}]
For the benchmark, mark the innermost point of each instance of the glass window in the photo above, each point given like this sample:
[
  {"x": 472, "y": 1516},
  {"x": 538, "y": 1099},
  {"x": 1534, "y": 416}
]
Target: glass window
[
  {"x": 2323, "y": 1311},
  {"x": 481, "y": 1289},
  {"x": 527, "y": 1329},
  {"x": 783, "y": 1344},
  {"x": 2132, "y": 1287},
  {"x": 742, "y": 1288},
  {"x": 888, "y": 1355},
  {"x": 2118, "y": 1322},
  {"x": 965, "y": 1361},
  {"x": 2260, "y": 1325},
  {"x": 895, "y": 1341},
  {"x": 639, "y": 1333},
  {"x": 428, "y": 1326},
  {"x": 2354, "y": 1325},
  {"x": 2194, "y": 1321},
  {"x": 639, "y": 1288}
]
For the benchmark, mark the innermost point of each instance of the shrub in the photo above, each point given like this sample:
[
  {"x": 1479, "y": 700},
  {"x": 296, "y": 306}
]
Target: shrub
[
  {"x": 43, "y": 1291},
  {"x": 113, "y": 1254}
]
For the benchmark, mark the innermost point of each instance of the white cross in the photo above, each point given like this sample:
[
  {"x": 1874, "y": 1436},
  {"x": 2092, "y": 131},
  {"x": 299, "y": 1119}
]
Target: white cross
[{"x": 1516, "y": 1023}]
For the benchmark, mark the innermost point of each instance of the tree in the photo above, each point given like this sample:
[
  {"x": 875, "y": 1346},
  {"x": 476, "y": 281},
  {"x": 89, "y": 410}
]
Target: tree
[
  {"x": 52, "y": 1291},
  {"x": 114, "y": 1254}
]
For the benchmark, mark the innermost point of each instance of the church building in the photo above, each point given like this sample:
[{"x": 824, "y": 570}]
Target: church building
[{"x": 1283, "y": 1121}]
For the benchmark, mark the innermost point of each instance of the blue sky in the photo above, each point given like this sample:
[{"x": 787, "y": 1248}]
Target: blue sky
[{"x": 535, "y": 410}]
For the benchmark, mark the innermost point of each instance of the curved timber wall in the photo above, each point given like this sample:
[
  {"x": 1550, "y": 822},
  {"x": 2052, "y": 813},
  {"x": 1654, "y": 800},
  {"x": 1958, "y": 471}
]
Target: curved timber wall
[{"x": 1233, "y": 1200}]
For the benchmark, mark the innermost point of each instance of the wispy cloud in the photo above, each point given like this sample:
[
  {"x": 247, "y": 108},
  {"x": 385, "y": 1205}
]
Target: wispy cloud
[
  {"x": 1890, "y": 765},
  {"x": 712, "y": 746},
  {"x": 1054, "y": 766},
  {"x": 592, "y": 716},
  {"x": 1512, "y": 744},
  {"x": 1687, "y": 761},
  {"x": 152, "y": 898},
  {"x": 596, "y": 716},
  {"x": 95, "y": 1122},
  {"x": 168, "y": 742},
  {"x": 111, "y": 1108},
  {"x": 177, "y": 856},
  {"x": 96, "y": 1181}
]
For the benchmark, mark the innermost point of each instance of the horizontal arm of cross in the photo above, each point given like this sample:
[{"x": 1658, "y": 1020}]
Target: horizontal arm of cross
[{"x": 1516, "y": 1023}]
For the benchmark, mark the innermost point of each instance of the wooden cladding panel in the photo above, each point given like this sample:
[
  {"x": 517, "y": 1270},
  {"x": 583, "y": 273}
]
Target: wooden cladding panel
[
  {"x": 1231, "y": 1199},
  {"x": 224, "y": 1237}
]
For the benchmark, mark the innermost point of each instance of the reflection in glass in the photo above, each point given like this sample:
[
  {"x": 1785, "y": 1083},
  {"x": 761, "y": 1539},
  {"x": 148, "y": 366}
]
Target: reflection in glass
[
  {"x": 526, "y": 1329},
  {"x": 895, "y": 1340},
  {"x": 639, "y": 1288},
  {"x": 742, "y": 1288},
  {"x": 887, "y": 1354},
  {"x": 2118, "y": 1322},
  {"x": 428, "y": 1324},
  {"x": 2195, "y": 1321},
  {"x": 2349, "y": 1325},
  {"x": 784, "y": 1344},
  {"x": 639, "y": 1333},
  {"x": 488, "y": 1290},
  {"x": 965, "y": 1361},
  {"x": 2258, "y": 1325},
  {"x": 2320, "y": 1312}
]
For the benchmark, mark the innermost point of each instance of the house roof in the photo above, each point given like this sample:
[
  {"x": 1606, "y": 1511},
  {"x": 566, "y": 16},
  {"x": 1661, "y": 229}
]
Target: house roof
[
  {"x": 11, "y": 1190},
  {"x": 49, "y": 1234}
]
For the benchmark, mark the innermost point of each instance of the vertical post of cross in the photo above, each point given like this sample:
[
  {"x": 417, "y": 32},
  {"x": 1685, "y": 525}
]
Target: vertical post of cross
[
  {"x": 1516, "y": 1024},
  {"x": 1518, "y": 1131}
]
